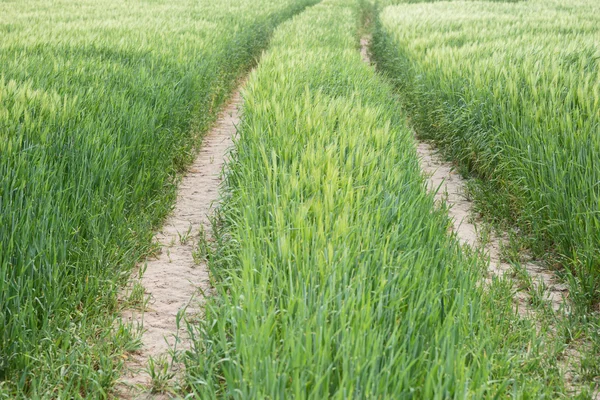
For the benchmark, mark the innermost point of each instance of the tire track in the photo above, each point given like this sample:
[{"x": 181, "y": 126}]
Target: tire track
[{"x": 174, "y": 282}]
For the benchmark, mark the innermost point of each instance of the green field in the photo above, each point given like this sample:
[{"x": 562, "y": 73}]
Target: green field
[
  {"x": 101, "y": 104},
  {"x": 360, "y": 292},
  {"x": 336, "y": 274}
]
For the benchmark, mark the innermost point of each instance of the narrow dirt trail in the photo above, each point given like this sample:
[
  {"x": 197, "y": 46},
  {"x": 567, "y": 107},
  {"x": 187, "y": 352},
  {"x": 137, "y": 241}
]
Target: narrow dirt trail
[
  {"x": 450, "y": 187},
  {"x": 174, "y": 281}
]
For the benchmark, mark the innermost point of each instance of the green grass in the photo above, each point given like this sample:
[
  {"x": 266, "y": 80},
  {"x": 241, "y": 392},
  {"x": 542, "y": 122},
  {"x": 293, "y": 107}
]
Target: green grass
[
  {"x": 335, "y": 274},
  {"x": 101, "y": 105},
  {"x": 511, "y": 92}
]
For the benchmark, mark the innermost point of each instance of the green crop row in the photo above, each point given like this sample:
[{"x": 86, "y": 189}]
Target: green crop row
[
  {"x": 511, "y": 92},
  {"x": 335, "y": 273},
  {"x": 101, "y": 104}
]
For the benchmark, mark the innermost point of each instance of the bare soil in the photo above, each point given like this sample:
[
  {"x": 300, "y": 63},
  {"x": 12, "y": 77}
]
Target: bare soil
[
  {"x": 449, "y": 188},
  {"x": 174, "y": 281}
]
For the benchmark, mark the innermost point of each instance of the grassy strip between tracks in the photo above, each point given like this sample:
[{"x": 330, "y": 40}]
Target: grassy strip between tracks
[
  {"x": 96, "y": 103},
  {"x": 336, "y": 275}
]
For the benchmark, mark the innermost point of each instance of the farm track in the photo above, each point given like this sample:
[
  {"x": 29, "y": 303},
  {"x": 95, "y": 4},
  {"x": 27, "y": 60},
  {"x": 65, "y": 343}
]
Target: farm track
[
  {"x": 449, "y": 187},
  {"x": 174, "y": 282}
]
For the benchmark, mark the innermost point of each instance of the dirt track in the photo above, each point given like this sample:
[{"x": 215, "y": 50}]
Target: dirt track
[
  {"x": 174, "y": 281},
  {"x": 450, "y": 187}
]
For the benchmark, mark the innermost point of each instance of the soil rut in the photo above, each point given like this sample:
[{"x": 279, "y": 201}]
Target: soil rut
[
  {"x": 450, "y": 187},
  {"x": 174, "y": 281}
]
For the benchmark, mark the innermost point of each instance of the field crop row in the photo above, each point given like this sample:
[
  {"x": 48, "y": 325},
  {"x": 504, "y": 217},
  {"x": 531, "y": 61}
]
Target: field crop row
[
  {"x": 101, "y": 104},
  {"x": 511, "y": 91},
  {"x": 335, "y": 273}
]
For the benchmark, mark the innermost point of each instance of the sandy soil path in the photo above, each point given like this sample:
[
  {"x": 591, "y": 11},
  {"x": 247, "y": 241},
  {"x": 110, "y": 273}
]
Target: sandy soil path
[
  {"x": 174, "y": 280},
  {"x": 450, "y": 187}
]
